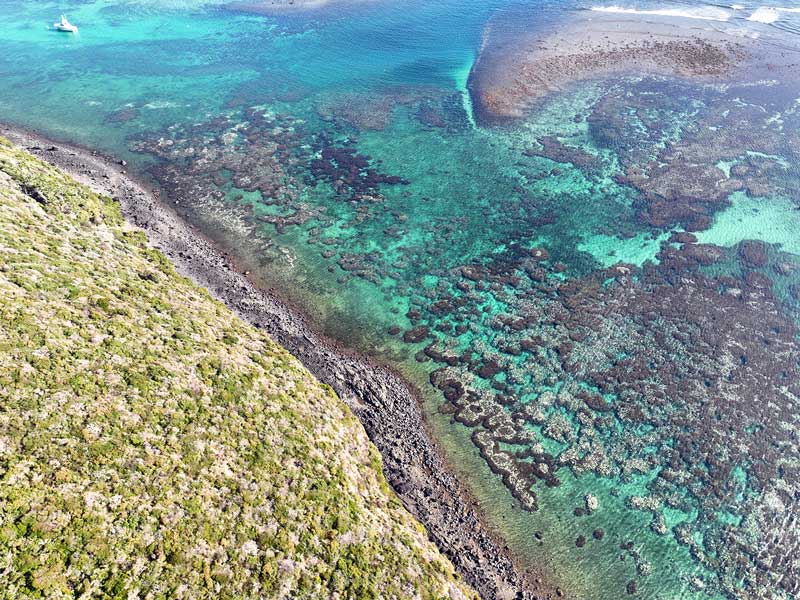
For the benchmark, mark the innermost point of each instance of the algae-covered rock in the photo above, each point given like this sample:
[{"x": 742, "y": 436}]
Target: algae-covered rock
[{"x": 153, "y": 445}]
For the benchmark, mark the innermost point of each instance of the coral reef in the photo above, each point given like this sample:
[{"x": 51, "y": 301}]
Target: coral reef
[
  {"x": 672, "y": 379},
  {"x": 374, "y": 111},
  {"x": 519, "y": 66},
  {"x": 727, "y": 147}
]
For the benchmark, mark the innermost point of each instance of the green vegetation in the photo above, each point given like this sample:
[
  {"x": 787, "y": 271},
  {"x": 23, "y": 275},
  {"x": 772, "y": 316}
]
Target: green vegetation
[{"x": 153, "y": 445}]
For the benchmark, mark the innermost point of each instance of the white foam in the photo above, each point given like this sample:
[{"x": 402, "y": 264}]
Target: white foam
[
  {"x": 159, "y": 104},
  {"x": 709, "y": 13},
  {"x": 770, "y": 14},
  {"x": 765, "y": 14}
]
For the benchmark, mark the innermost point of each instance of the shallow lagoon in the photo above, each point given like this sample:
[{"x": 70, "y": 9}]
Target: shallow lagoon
[{"x": 338, "y": 154}]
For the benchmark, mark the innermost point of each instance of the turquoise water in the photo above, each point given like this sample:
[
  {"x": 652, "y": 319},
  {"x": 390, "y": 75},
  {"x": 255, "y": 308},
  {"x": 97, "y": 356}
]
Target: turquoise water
[{"x": 544, "y": 295}]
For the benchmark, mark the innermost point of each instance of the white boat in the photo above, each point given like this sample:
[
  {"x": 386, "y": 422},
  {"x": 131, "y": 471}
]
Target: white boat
[{"x": 64, "y": 25}]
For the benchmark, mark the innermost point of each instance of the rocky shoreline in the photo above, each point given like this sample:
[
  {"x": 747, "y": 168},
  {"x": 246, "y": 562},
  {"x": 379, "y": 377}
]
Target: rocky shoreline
[
  {"x": 514, "y": 71},
  {"x": 384, "y": 403}
]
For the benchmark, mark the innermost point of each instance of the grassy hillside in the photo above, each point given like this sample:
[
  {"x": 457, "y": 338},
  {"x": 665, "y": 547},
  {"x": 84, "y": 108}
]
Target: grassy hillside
[{"x": 153, "y": 445}]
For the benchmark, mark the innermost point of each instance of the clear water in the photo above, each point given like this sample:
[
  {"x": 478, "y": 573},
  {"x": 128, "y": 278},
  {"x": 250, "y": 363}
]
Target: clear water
[{"x": 687, "y": 503}]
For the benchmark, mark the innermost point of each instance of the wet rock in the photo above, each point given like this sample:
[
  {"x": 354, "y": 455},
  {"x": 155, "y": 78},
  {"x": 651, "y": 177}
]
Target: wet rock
[
  {"x": 753, "y": 254},
  {"x": 683, "y": 237},
  {"x": 416, "y": 335},
  {"x": 489, "y": 369},
  {"x": 555, "y": 150},
  {"x": 539, "y": 254},
  {"x": 123, "y": 115}
]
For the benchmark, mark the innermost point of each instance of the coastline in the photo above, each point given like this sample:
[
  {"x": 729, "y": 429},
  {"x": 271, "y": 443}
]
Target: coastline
[{"x": 387, "y": 406}]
